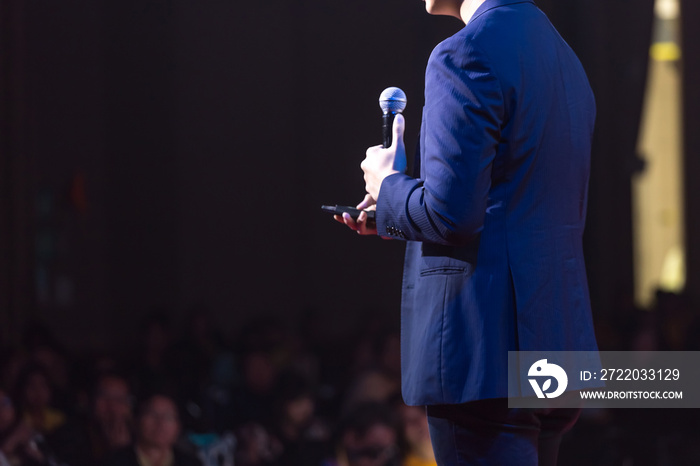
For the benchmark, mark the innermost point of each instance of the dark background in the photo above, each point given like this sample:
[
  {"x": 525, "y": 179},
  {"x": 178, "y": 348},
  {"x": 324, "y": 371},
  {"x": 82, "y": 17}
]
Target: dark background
[{"x": 173, "y": 155}]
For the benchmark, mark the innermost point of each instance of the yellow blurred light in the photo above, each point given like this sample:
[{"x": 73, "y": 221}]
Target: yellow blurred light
[{"x": 665, "y": 51}]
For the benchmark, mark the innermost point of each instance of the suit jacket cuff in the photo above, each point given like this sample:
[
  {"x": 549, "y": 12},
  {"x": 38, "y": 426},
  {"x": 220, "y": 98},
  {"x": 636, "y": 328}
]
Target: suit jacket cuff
[{"x": 398, "y": 206}]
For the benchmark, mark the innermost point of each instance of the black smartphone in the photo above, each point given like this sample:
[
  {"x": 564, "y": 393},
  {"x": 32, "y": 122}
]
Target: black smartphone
[{"x": 354, "y": 213}]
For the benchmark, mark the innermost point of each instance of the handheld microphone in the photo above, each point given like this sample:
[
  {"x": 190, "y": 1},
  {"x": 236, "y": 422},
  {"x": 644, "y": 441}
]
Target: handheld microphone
[{"x": 392, "y": 100}]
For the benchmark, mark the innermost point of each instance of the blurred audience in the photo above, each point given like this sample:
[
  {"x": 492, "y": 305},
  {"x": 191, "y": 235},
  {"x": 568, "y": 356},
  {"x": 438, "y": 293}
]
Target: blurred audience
[
  {"x": 19, "y": 442},
  {"x": 370, "y": 435},
  {"x": 194, "y": 355},
  {"x": 106, "y": 428},
  {"x": 34, "y": 394},
  {"x": 419, "y": 450},
  {"x": 379, "y": 378},
  {"x": 158, "y": 430},
  {"x": 293, "y": 435},
  {"x": 252, "y": 400},
  {"x": 153, "y": 362},
  {"x": 281, "y": 393}
]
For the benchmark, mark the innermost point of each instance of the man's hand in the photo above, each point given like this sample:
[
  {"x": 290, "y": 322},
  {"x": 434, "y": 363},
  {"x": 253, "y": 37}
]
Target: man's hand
[
  {"x": 360, "y": 226},
  {"x": 380, "y": 162}
]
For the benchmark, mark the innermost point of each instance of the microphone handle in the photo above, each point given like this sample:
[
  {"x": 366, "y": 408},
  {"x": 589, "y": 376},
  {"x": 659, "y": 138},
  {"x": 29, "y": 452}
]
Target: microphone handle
[{"x": 387, "y": 125}]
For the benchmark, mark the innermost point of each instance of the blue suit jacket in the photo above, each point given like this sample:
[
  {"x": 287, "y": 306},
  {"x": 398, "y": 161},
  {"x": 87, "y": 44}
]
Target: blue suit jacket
[{"x": 495, "y": 220}]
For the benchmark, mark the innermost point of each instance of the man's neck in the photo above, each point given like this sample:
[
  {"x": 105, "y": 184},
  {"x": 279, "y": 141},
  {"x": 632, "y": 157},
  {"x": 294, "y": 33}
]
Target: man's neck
[{"x": 468, "y": 8}]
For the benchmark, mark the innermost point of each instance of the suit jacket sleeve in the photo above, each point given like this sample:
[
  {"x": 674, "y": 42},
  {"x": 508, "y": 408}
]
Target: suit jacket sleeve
[{"x": 462, "y": 120}]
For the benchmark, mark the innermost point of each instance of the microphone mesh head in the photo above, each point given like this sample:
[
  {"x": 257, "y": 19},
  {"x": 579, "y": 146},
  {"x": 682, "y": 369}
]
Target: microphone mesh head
[{"x": 392, "y": 99}]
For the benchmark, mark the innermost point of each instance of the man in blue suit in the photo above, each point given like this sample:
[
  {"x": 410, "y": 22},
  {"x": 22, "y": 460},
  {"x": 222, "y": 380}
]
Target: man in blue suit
[{"x": 494, "y": 222}]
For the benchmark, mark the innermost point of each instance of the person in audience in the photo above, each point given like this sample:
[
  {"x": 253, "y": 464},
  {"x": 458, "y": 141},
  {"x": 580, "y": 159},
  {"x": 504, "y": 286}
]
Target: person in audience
[
  {"x": 44, "y": 350},
  {"x": 112, "y": 412},
  {"x": 419, "y": 450},
  {"x": 153, "y": 363},
  {"x": 19, "y": 442},
  {"x": 158, "y": 430},
  {"x": 380, "y": 381},
  {"x": 252, "y": 401},
  {"x": 369, "y": 436},
  {"x": 108, "y": 426},
  {"x": 194, "y": 355},
  {"x": 294, "y": 435},
  {"x": 256, "y": 447},
  {"x": 35, "y": 393}
]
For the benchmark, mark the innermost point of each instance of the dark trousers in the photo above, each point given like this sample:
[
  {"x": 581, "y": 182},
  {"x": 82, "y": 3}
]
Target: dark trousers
[{"x": 488, "y": 433}]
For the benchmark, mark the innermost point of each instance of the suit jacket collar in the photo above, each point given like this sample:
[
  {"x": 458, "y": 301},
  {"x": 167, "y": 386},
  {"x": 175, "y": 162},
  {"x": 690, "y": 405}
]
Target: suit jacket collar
[{"x": 491, "y": 4}]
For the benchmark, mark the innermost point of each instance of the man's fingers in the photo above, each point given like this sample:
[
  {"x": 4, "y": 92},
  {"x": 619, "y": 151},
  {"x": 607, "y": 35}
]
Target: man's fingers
[
  {"x": 360, "y": 223},
  {"x": 345, "y": 219},
  {"x": 398, "y": 129},
  {"x": 368, "y": 201},
  {"x": 398, "y": 145},
  {"x": 350, "y": 222}
]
